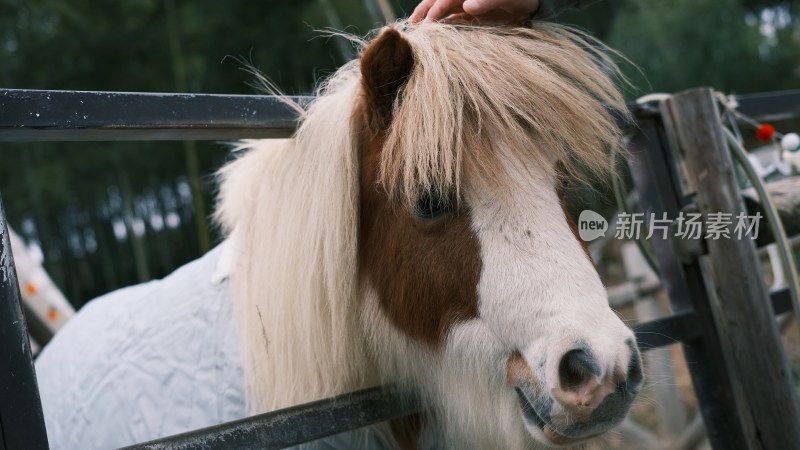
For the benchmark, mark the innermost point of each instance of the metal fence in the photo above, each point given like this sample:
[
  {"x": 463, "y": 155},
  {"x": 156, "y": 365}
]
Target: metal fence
[{"x": 27, "y": 115}]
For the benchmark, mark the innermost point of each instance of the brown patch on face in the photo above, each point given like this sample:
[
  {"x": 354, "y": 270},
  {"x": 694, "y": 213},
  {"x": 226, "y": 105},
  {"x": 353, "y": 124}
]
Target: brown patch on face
[
  {"x": 425, "y": 273},
  {"x": 407, "y": 431},
  {"x": 519, "y": 371}
]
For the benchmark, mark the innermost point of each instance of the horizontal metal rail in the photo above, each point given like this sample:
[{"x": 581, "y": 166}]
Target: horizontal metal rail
[
  {"x": 30, "y": 115},
  {"x": 34, "y": 115},
  {"x": 296, "y": 425},
  {"x": 684, "y": 327},
  {"x": 771, "y": 106}
]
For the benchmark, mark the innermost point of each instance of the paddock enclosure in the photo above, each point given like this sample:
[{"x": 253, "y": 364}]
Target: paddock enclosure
[{"x": 722, "y": 312}]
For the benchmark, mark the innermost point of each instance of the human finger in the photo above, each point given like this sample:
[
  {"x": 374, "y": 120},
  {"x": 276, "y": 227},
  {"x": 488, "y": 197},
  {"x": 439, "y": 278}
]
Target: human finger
[
  {"x": 517, "y": 7},
  {"x": 421, "y": 10},
  {"x": 443, "y": 8}
]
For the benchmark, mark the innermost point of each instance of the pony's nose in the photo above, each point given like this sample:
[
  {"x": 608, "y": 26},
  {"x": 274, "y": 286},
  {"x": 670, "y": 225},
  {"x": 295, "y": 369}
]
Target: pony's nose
[
  {"x": 578, "y": 372},
  {"x": 583, "y": 386}
]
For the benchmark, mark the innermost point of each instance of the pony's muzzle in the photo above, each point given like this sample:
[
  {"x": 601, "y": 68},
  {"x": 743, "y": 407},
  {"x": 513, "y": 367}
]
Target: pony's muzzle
[
  {"x": 583, "y": 387},
  {"x": 587, "y": 397}
]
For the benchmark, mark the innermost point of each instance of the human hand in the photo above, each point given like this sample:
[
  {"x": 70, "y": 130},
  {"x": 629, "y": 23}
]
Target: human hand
[{"x": 482, "y": 11}]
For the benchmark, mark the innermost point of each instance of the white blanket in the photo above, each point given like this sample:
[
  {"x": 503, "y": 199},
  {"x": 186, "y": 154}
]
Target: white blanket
[
  {"x": 154, "y": 360},
  {"x": 144, "y": 362}
]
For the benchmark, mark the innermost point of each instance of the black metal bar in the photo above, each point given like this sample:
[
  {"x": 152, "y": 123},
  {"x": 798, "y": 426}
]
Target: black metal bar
[
  {"x": 781, "y": 301},
  {"x": 37, "y": 328},
  {"x": 295, "y": 425},
  {"x": 770, "y": 106},
  {"x": 668, "y": 330},
  {"x": 35, "y": 115},
  {"x": 21, "y": 419},
  {"x": 685, "y": 327},
  {"x": 31, "y": 115}
]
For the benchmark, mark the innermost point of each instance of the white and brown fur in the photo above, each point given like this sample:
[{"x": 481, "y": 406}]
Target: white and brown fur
[{"x": 338, "y": 285}]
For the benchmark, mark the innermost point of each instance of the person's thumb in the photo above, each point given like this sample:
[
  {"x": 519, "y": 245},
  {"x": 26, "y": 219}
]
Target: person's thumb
[{"x": 478, "y": 7}]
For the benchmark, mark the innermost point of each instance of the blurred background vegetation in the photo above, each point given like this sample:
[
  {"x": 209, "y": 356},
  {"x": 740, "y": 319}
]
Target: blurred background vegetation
[{"x": 106, "y": 215}]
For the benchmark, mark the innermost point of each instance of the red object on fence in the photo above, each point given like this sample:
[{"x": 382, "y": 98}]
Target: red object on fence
[{"x": 765, "y": 132}]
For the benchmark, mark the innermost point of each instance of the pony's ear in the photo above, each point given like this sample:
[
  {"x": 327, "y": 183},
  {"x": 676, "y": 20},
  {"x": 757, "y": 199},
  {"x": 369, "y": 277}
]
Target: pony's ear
[{"x": 386, "y": 64}]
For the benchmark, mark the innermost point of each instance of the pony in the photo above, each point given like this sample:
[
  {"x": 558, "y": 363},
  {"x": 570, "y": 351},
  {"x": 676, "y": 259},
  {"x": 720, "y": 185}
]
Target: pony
[{"x": 413, "y": 232}]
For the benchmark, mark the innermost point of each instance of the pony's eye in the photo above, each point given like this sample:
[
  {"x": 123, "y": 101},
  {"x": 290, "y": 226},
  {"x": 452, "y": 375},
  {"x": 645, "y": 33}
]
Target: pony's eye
[{"x": 431, "y": 205}]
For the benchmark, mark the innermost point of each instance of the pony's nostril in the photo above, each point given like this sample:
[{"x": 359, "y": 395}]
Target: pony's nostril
[
  {"x": 635, "y": 371},
  {"x": 576, "y": 368}
]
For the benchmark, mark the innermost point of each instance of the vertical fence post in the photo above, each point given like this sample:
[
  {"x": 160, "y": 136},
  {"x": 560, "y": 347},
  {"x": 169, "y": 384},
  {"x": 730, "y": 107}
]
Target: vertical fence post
[
  {"x": 762, "y": 384},
  {"x": 654, "y": 173},
  {"x": 21, "y": 419}
]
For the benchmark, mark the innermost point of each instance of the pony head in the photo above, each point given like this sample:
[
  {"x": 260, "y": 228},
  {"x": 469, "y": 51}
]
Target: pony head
[{"x": 413, "y": 233}]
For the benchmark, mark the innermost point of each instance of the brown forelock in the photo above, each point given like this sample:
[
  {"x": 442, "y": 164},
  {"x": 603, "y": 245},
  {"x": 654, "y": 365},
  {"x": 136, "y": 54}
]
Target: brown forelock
[{"x": 424, "y": 273}]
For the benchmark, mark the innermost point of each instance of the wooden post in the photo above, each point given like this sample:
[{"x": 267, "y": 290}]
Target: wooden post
[{"x": 762, "y": 386}]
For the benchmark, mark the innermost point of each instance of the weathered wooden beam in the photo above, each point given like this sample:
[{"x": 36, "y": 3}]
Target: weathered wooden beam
[
  {"x": 762, "y": 386},
  {"x": 653, "y": 167}
]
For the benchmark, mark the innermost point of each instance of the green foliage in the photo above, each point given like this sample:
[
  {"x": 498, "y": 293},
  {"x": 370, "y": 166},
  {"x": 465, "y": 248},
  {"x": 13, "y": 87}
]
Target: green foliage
[
  {"x": 52, "y": 44},
  {"x": 678, "y": 44}
]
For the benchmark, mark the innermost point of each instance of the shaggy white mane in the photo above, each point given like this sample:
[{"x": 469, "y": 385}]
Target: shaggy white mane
[
  {"x": 537, "y": 91},
  {"x": 290, "y": 207}
]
